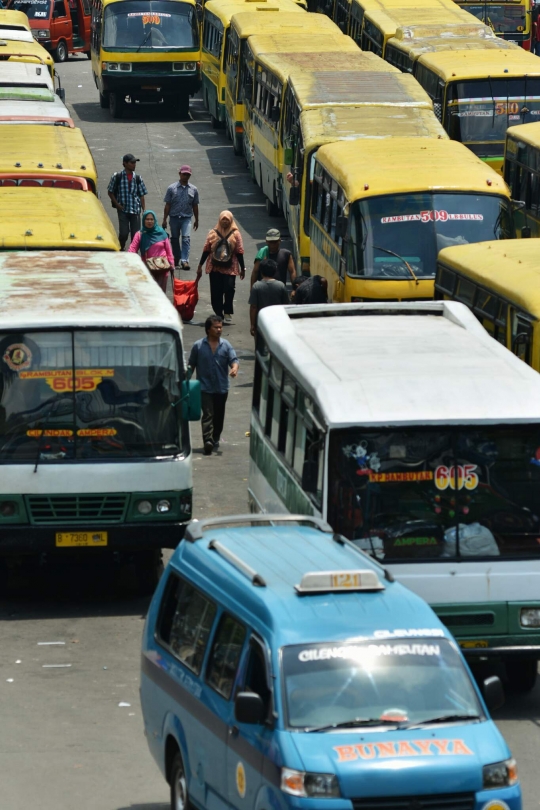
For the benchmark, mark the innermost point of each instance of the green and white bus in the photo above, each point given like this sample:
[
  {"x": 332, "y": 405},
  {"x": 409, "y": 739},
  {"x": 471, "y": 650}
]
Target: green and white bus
[
  {"x": 95, "y": 454},
  {"x": 416, "y": 436}
]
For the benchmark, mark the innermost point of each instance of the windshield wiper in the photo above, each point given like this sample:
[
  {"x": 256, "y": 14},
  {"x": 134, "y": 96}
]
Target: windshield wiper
[
  {"x": 446, "y": 718},
  {"x": 145, "y": 40},
  {"x": 357, "y": 722},
  {"x": 405, "y": 262}
]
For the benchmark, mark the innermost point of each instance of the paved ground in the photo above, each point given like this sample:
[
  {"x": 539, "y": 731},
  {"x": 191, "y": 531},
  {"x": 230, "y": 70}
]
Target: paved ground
[{"x": 65, "y": 742}]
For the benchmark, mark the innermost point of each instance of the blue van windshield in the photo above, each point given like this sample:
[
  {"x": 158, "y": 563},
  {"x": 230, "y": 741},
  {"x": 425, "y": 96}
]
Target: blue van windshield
[{"x": 410, "y": 680}]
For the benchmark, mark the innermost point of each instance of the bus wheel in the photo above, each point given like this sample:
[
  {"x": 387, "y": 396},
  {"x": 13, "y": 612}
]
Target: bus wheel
[
  {"x": 61, "y": 52},
  {"x": 148, "y": 570},
  {"x": 182, "y": 106},
  {"x": 178, "y": 783},
  {"x": 237, "y": 149},
  {"x": 116, "y": 105},
  {"x": 87, "y": 54},
  {"x": 271, "y": 208},
  {"x": 522, "y": 673},
  {"x": 214, "y": 122},
  {"x": 104, "y": 101}
]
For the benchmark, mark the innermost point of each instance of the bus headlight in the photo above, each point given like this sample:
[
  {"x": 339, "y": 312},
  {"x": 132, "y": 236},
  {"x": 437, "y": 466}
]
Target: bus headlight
[
  {"x": 500, "y": 774},
  {"x": 309, "y": 785},
  {"x": 163, "y": 506},
  {"x": 190, "y": 65},
  {"x": 144, "y": 507},
  {"x": 530, "y": 617},
  {"x": 110, "y": 65},
  {"x": 178, "y": 66},
  {"x": 125, "y": 66},
  {"x": 8, "y": 508},
  {"x": 43, "y": 33}
]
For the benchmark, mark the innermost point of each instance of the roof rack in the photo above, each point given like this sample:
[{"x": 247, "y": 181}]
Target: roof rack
[
  {"x": 239, "y": 564},
  {"x": 196, "y": 528}
]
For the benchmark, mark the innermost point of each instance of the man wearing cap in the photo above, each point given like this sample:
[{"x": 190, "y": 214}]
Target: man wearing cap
[
  {"x": 282, "y": 257},
  {"x": 127, "y": 192},
  {"x": 181, "y": 204}
]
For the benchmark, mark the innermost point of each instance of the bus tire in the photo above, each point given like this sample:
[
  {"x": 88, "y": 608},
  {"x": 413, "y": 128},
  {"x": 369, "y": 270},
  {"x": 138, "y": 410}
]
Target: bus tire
[
  {"x": 148, "y": 570},
  {"x": 182, "y": 106},
  {"x": 116, "y": 105},
  {"x": 87, "y": 54},
  {"x": 238, "y": 150},
  {"x": 215, "y": 123},
  {"x": 104, "y": 101},
  {"x": 271, "y": 208},
  {"x": 522, "y": 673},
  {"x": 178, "y": 783},
  {"x": 61, "y": 52}
]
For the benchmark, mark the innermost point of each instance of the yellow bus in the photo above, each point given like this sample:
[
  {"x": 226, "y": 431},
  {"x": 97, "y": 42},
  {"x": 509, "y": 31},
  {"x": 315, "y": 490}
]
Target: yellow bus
[
  {"x": 217, "y": 17},
  {"x": 510, "y": 19},
  {"x": 33, "y": 52},
  {"x": 359, "y": 7},
  {"x": 381, "y": 212},
  {"x": 244, "y": 25},
  {"x": 522, "y": 174},
  {"x": 500, "y": 282},
  {"x": 479, "y": 94},
  {"x": 46, "y": 152},
  {"x": 54, "y": 219},
  {"x": 385, "y": 106},
  {"x": 148, "y": 50}
]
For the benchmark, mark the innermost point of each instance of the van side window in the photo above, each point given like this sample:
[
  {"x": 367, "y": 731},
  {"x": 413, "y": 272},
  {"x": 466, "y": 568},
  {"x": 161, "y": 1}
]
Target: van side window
[
  {"x": 185, "y": 622},
  {"x": 225, "y": 655},
  {"x": 59, "y": 8},
  {"x": 256, "y": 678}
]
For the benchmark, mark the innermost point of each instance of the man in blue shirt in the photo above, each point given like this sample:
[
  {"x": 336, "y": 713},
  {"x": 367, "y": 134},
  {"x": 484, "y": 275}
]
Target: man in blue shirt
[
  {"x": 181, "y": 204},
  {"x": 214, "y": 360}
]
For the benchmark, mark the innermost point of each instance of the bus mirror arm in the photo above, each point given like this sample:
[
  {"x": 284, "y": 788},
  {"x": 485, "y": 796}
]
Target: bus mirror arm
[
  {"x": 517, "y": 205},
  {"x": 493, "y": 693}
]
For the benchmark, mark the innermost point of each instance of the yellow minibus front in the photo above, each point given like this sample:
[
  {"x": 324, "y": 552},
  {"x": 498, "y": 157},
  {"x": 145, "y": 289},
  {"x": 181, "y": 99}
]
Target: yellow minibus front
[
  {"x": 478, "y": 94},
  {"x": 386, "y": 106},
  {"x": 500, "y": 283},
  {"x": 53, "y": 219},
  {"x": 381, "y": 210},
  {"x": 147, "y": 50}
]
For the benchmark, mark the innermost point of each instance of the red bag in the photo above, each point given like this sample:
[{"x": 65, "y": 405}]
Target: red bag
[{"x": 186, "y": 296}]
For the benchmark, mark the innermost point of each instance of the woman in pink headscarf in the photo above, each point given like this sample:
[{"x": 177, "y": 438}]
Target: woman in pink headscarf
[{"x": 223, "y": 252}]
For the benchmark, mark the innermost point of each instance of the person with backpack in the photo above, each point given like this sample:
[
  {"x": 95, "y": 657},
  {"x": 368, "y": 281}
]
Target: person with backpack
[
  {"x": 223, "y": 252},
  {"x": 127, "y": 192}
]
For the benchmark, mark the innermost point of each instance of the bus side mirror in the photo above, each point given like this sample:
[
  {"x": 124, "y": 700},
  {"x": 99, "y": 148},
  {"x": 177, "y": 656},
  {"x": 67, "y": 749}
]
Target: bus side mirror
[
  {"x": 493, "y": 693},
  {"x": 294, "y": 195},
  {"x": 249, "y": 708},
  {"x": 191, "y": 400},
  {"x": 288, "y": 155},
  {"x": 341, "y": 226},
  {"x": 517, "y": 205},
  {"x": 61, "y": 93},
  {"x": 525, "y": 232},
  {"x": 274, "y": 115}
]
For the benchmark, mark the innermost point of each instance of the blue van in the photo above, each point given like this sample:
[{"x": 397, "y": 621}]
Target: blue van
[{"x": 283, "y": 668}]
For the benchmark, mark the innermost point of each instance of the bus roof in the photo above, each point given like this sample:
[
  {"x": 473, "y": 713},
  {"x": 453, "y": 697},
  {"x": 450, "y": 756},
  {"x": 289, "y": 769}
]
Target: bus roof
[
  {"x": 528, "y": 133},
  {"x": 447, "y": 31},
  {"x": 379, "y": 367},
  {"x": 55, "y": 218},
  {"x": 14, "y": 19},
  {"x": 35, "y": 112},
  {"x": 414, "y": 48},
  {"x": 325, "y": 78},
  {"x": 382, "y": 4},
  {"x": 225, "y": 9},
  {"x": 58, "y": 150},
  {"x": 290, "y": 44},
  {"x": 247, "y": 23},
  {"x": 509, "y": 267},
  {"x": 459, "y": 65},
  {"x": 24, "y": 73},
  {"x": 357, "y": 87},
  {"x": 15, "y": 35},
  {"x": 17, "y": 51},
  {"x": 81, "y": 288},
  {"x": 108, "y": 2},
  {"x": 390, "y": 19},
  {"x": 329, "y": 124},
  {"x": 409, "y": 165}
]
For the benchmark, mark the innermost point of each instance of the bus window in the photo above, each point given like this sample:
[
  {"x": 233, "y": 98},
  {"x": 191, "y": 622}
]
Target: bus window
[{"x": 521, "y": 337}]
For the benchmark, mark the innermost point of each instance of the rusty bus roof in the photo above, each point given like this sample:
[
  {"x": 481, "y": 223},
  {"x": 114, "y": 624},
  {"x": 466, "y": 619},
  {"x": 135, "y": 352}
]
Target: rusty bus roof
[
  {"x": 82, "y": 289},
  {"x": 330, "y": 124},
  {"x": 291, "y": 45},
  {"x": 333, "y": 62},
  {"x": 459, "y": 65},
  {"x": 357, "y": 87},
  {"x": 248, "y": 23},
  {"x": 225, "y": 9},
  {"x": 415, "y": 48}
]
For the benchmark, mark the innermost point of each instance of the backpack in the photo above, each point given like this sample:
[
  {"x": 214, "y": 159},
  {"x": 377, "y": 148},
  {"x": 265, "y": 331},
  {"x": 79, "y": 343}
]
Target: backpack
[
  {"x": 116, "y": 185},
  {"x": 222, "y": 253}
]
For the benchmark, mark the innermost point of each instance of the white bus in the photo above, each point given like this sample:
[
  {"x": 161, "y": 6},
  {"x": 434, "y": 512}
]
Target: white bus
[
  {"x": 417, "y": 436},
  {"x": 95, "y": 455}
]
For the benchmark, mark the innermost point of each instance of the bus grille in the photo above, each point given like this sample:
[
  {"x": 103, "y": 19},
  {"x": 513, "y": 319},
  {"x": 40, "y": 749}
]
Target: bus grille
[
  {"x": 440, "y": 801},
  {"x": 467, "y": 619},
  {"x": 82, "y": 509},
  {"x": 151, "y": 67}
]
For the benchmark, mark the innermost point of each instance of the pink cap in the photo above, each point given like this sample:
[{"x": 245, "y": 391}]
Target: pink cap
[{"x": 185, "y": 169}]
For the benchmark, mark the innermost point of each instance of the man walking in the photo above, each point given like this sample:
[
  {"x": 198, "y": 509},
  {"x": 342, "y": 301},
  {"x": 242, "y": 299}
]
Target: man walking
[
  {"x": 127, "y": 192},
  {"x": 181, "y": 204},
  {"x": 214, "y": 360},
  {"x": 281, "y": 256},
  {"x": 267, "y": 292}
]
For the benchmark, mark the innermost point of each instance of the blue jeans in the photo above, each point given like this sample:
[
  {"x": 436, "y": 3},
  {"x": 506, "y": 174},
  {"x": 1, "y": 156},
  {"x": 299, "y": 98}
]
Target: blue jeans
[{"x": 180, "y": 225}]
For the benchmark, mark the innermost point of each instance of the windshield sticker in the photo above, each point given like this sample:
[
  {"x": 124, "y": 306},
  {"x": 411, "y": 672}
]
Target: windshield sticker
[
  {"x": 411, "y": 748},
  {"x": 503, "y": 108},
  {"x": 86, "y": 379},
  {"x": 416, "y": 541},
  {"x": 17, "y": 357},
  {"x": 96, "y": 432},
  {"x": 467, "y": 478},
  {"x": 432, "y": 216},
  {"x": 367, "y": 462},
  {"x": 474, "y": 114},
  {"x": 149, "y": 19},
  {"x": 37, "y": 433},
  {"x": 381, "y": 478},
  {"x": 352, "y": 652},
  {"x": 430, "y": 632}
]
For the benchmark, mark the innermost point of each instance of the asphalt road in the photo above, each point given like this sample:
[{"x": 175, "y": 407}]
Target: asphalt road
[{"x": 67, "y": 742}]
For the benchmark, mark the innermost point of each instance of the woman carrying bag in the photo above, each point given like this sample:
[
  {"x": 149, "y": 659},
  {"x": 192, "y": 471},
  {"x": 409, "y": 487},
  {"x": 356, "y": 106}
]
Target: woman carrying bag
[
  {"x": 223, "y": 252},
  {"x": 155, "y": 248}
]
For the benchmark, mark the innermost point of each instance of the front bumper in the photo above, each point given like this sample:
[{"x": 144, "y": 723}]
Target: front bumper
[
  {"x": 139, "y": 84},
  {"x": 25, "y": 540}
]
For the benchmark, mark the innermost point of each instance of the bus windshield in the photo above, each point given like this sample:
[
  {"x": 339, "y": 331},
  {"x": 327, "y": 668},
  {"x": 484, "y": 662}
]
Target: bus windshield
[
  {"x": 84, "y": 395},
  {"x": 388, "y": 233},
  {"x": 134, "y": 25},
  {"x": 401, "y": 680},
  {"x": 34, "y": 9},
  {"x": 481, "y": 110},
  {"x": 437, "y": 492},
  {"x": 503, "y": 18}
]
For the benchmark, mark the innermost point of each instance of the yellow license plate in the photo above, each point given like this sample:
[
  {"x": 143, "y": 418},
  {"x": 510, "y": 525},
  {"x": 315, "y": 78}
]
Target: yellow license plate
[
  {"x": 473, "y": 645},
  {"x": 70, "y": 539}
]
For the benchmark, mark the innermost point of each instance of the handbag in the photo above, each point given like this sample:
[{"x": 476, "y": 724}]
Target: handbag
[
  {"x": 157, "y": 264},
  {"x": 186, "y": 296}
]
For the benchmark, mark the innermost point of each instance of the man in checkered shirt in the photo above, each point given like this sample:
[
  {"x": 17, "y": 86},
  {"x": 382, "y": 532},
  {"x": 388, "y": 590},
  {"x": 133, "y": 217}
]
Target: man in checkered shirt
[{"x": 127, "y": 192}]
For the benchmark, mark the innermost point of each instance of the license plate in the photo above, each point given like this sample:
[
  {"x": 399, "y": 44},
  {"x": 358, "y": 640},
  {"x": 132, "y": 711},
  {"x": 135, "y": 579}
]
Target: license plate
[
  {"x": 70, "y": 539},
  {"x": 473, "y": 645}
]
